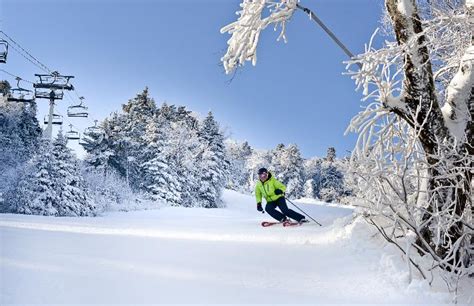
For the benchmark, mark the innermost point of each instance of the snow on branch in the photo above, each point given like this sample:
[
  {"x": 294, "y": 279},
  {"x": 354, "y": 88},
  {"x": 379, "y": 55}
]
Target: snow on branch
[
  {"x": 456, "y": 109},
  {"x": 447, "y": 37},
  {"x": 242, "y": 46},
  {"x": 380, "y": 74}
]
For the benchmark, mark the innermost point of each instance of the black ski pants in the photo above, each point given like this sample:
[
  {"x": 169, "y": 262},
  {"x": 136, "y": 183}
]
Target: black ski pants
[{"x": 271, "y": 209}]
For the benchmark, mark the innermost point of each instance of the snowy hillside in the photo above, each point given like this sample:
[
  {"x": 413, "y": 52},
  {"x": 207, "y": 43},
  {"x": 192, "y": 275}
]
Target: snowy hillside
[{"x": 194, "y": 255}]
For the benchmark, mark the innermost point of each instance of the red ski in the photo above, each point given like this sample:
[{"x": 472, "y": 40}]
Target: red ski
[
  {"x": 269, "y": 223},
  {"x": 285, "y": 224},
  {"x": 291, "y": 223}
]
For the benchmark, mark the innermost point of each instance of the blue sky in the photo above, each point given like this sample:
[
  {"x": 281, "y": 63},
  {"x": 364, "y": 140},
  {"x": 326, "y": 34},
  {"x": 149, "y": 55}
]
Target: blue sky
[{"x": 295, "y": 94}]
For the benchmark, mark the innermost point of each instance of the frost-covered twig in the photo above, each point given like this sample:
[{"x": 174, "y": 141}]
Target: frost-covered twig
[{"x": 242, "y": 46}]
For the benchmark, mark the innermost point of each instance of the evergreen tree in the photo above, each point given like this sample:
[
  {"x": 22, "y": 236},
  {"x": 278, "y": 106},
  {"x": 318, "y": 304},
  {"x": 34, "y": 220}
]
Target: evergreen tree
[
  {"x": 138, "y": 112},
  {"x": 20, "y": 135},
  {"x": 237, "y": 155},
  {"x": 159, "y": 177},
  {"x": 4, "y": 88},
  {"x": 331, "y": 180},
  {"x": 212, "y": 163},
  {"x": 257, "y": 160},
  {"x": 50, "y": 184},
  {"x": 331, "y": 154},
  {"x": 287, "y": 165},
  {"x": 276, "y": 160},
  {"x": 184, "y": 151},
  {"x": 35, "y": 192},
  {"x": 68, "y": 181},
  {"x": 102, "y": 144},
  {"x": 331, "y": 185},
  {"x": 312, "y": 177}
]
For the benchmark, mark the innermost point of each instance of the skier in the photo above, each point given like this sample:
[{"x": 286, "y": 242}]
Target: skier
[{"x": 274, "y": 193}]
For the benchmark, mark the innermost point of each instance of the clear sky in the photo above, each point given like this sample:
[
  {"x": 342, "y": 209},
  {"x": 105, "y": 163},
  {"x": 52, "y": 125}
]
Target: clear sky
[{"x": 295, "y": 94}]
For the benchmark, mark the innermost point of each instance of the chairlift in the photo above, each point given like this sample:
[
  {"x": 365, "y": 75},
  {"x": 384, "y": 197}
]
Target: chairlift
[
  {"x": 93, "y": 129},
  {"x": 72, "y": 134},
  {"x": 54, "y": 81},
  {"x": 78, "y": 111},
  {"x": 49, "y": 94},
  {"x": 20, "y": 94},
  {"x": 57, "y": 119},
  {"x": 3, "y": 51},
  {"x": 82, "y": 141}
]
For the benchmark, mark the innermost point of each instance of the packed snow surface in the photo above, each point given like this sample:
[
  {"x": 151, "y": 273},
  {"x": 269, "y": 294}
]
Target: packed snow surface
[{"x": 179, "y": 255}]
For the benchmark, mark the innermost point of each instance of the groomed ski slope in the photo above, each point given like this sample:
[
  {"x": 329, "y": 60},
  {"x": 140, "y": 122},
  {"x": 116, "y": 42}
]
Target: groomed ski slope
[{"x": 178, "y": 255}]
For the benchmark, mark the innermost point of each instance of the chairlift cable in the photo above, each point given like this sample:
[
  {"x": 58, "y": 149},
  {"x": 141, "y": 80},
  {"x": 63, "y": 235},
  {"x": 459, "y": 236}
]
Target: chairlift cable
[
  {"x": 27, "y": 58},
  {"x": 31, "y": 59},
  {"x": 41, "y": 65},
  {"x": 68, "y": 94},
  {"x": 15, "y": 76}
]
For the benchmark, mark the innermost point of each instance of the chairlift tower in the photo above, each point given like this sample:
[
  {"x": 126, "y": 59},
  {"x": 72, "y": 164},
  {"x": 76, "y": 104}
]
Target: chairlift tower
[{"x": 51, "y": 86}]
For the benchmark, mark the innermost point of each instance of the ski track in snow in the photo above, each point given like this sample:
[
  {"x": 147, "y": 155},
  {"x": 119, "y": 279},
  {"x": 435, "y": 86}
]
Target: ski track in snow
[{"x": 178, "y": 255}]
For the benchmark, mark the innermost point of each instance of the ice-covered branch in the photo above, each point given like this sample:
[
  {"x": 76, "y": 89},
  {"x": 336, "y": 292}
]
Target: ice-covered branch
[{"x": 242, "y": 46}]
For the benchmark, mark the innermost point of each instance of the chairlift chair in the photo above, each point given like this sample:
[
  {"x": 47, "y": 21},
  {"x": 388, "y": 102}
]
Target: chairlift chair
[
  {"x": 78, "y": 111},
  {"x": 82, "y": 141},
  {"x": 20, "y": 94},
  {"x": 49, "y": 94},
  {"x": 54, "y": 81},
  {"x": 93, "y": 129},
  {"x": 72, "y": 134},
  {"x": 57, "y": 119},
  {"x": 3, "y": 51}
]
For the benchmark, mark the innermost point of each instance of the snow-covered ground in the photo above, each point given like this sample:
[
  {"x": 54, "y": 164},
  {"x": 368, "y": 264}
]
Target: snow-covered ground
[{"x": 179, "y": 255}]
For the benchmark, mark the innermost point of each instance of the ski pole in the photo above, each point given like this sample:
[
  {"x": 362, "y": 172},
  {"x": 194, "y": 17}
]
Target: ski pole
[{"x": 303, "y": 211}]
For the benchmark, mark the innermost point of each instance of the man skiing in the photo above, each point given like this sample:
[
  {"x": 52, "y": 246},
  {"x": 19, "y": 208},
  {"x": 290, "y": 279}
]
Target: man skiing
[{"x": 274, "y": 193}]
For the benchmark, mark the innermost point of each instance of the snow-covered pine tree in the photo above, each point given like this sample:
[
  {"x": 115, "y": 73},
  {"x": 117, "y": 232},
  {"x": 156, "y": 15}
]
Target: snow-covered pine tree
[
  {"x": 105, "y": 147},
  {"x": 331, "y": 154},
  {"x": 20, "y": 135},
  {"x": 20, "y": 132},
  {"x": 287, "y": 166},
  {"x": 183, "y": 150},
  {"x": 94, "y": 141},
  {"x": 211, "y": 162},
  {"x": 51, "y": 184},
  {"x": 120, "y": 145},
  {"x": 237, "y": 154},
  {"x": 5, "y": 88},
  {"x": 73, "y": 198},
  {"x": 312, "y": 177},
  {"x": 160, "y": 179},
  {"x": 138, "y": 112},
  {"x": 257, "y": 160},
  {"x": 331, "y": 183},
  {"x": 276, "y": 166},
  {"x": 35, "y": 192}
]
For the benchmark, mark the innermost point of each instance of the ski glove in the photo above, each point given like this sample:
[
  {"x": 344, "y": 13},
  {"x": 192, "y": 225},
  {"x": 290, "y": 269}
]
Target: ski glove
[
  {"x": 278, "y": 191},
  {"x": 259, "y": 207}
]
